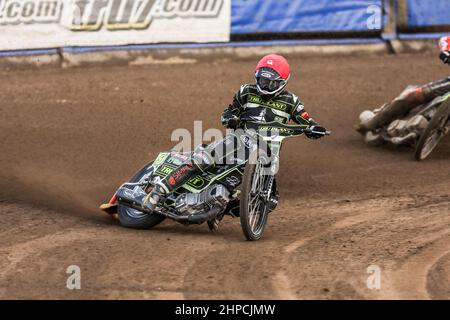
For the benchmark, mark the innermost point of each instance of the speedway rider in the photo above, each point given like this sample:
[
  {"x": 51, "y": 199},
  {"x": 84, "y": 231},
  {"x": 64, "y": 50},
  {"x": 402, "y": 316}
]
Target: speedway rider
[
  {"x": 265, "y": 101},
  {"x": 410, "y": 98}
]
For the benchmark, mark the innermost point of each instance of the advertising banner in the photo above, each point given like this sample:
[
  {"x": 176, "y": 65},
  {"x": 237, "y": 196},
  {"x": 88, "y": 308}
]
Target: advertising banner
[{"x": 33, "y": 24}]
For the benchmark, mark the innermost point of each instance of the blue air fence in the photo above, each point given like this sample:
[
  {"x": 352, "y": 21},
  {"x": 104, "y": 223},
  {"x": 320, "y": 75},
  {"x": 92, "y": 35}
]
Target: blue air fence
[
  {"x": 430, "y": 13},
  {"x": 283, "y": 17},
  {"x": 302, "y": 16}
]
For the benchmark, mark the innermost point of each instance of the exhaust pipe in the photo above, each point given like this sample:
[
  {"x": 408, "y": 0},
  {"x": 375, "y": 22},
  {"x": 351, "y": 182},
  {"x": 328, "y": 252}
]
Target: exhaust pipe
[
  {"x": 410, "y": 138},
  {"x": 191, "y": 219},
  {"x": 202, "y": 217},
  {"x": 197, "y": 218}
]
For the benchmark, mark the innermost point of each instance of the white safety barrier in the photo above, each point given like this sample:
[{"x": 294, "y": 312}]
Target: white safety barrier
[{"x": 33, "y": 24}]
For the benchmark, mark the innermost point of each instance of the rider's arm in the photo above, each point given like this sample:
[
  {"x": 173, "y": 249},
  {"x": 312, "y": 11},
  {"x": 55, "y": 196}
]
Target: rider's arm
[
  {"x": 300, "y": 116},
  {"x": 445, "y": 56},
  {"x": 231, "y": 114}
]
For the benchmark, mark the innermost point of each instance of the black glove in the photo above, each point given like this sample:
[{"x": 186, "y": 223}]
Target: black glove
[
  {"x": 233, "y": 123},
  {"x": 445, "y": 56},
  {"x": 315, "y": 132}
]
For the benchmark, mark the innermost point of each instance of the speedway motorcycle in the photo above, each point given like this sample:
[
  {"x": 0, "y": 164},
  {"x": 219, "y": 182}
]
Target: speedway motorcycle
[
  {"x": 244, "y": 188},
  {"x": 421, "y": 128}
]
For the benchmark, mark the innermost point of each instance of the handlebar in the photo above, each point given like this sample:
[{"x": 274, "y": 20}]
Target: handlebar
[
  {"x": 275, "y": 125},
  {"x": 326, "y": 133}
]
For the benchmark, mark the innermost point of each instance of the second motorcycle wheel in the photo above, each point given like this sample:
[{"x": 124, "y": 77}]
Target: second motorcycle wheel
[{"x": 434, "y": 132}]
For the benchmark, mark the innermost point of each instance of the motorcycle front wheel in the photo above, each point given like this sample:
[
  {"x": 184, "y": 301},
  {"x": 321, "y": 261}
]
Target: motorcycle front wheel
[
  {"x": 254, "y": 206},
  {"x": 433, "y": 132}
]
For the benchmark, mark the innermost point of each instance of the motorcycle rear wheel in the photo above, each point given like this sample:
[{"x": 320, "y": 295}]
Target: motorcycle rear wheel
[
  {"x": 132, "y": 218},
  {"x": 433, "y": 133},
  {"x": 135, "y": 219}
]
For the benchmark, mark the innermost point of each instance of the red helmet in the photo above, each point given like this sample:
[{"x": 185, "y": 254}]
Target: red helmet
[
  {"x": 444, "y": 44},
  {"x": 272, "y": 74}
]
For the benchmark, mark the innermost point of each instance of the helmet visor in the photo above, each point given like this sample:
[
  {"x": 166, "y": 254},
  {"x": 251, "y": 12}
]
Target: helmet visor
[
  {"x": 269, "y": 85},
  {"x": 269, "y": 81}
]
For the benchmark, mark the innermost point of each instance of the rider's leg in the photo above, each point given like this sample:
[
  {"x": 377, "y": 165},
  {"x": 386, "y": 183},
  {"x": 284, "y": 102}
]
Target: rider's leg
[
  {"x": 404, "y": 103},
  {"x": 202, "y": 159},
  {"x": 176, "y": 179}
]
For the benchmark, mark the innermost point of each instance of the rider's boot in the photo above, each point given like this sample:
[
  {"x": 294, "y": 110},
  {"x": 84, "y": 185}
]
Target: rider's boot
[
  {"x": 154, "y": 198},
  {"x": 214, "y": 224},
  {"x": 176, "y": 179},
  {"x": 273, "y": 201}
]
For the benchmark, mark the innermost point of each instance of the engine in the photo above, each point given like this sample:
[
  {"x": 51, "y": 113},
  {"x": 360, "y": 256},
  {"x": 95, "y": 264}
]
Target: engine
[
  {"x": 399, "y": 128},
  {"x": 402, "y": 131},
  {"x": 192, "y": 203},
  {"x": 398, "y": 131}
]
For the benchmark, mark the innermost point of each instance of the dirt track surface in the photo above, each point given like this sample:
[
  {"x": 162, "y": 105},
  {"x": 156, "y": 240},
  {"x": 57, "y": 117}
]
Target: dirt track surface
[{"x": 70, "y": 137}]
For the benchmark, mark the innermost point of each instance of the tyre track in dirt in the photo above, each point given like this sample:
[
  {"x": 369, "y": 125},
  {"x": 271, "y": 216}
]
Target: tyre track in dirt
[
  {"x": 411, "y": 280},
  {"x": 405, "y": 260}
]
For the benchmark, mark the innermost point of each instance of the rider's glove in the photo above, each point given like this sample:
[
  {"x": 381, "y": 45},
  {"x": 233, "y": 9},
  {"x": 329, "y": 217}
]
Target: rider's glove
[
  {"x": 233, "y": 123},
  {"x": 445, "y": 56},
  {"x": 315, "y": 132}
]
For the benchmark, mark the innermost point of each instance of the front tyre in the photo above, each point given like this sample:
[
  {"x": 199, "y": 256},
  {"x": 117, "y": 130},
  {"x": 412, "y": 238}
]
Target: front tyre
[
  {"x": 132, "y": 218},
  {"x": 433, "y": 133},
  {"x": 254, "y": 205}
]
